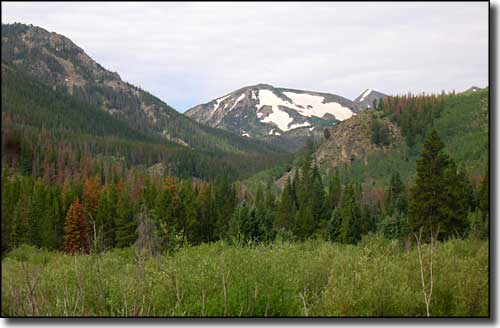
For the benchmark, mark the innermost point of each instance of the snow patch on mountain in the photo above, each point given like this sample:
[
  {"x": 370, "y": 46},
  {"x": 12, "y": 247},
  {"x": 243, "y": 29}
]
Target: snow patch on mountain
[
  {"x": 365, "y": 94},
  {"x": 218, "y": 102},
  {"x": 305, "y": 104},
  {"x": 240, "y": 98},
  {"x": 299, "y": 125},
  {"x": 277, "y": 116},
  {"x": 274, "y": 132},
  {"x": 314, "y": 106}
]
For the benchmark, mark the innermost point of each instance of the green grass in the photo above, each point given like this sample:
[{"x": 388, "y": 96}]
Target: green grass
[{"x": 314, "y": 278}]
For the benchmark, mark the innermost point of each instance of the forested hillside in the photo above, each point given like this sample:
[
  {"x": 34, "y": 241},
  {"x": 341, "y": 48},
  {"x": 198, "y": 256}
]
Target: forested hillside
[
  {"x": 56, "y": 61},
  {"x": 114, "y": 204},
  {"x": 461, "y": 120}
]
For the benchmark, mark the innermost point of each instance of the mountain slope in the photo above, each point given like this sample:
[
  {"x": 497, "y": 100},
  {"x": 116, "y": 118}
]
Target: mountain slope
[
  {"x": 461, "y": 120},
  {"x": 366, "y": 99},
  {"x": 262, "y": 110},
  {"x": 58, "y": 62}
]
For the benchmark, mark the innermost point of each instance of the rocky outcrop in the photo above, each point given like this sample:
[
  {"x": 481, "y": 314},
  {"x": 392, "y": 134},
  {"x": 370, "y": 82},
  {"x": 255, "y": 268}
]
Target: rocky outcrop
[{"x": 351, "y": 139}]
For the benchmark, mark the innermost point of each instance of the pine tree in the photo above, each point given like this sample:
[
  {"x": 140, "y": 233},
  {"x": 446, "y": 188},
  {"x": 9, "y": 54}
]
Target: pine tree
[
  {"x": 318, "y": 198},
  {"x": 239, "y": 226},
  {"x": 334, "y": 225},
  {"x": 267, "y": 215},
  {"x": 91, "y": 198},
  {"x": 286, "y": 209},
  {"x": 333, "y": 195},
  {"x": 456, "y": 203},
  {"x": 351, "y": 214},
  {"x": 396, "y": 198},
  {"x": 188, "y": 214},
  {"x": 430, "y": 206},
  {"x": 36, "y": 209},
  {"x": 206, "y": 213},
  {"x": 125, "y": 225},
  {"x": 75, "y": 239}
]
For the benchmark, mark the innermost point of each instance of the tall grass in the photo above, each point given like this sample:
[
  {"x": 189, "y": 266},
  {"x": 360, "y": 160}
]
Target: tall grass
[{"x": 314, "y": 278}]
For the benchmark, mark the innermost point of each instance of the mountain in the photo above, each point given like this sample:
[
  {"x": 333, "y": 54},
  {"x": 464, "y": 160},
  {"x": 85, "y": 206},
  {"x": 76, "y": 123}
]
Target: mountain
[
  {"x": 461, "y": 121},
  {"x": 366, "y": 99},
  {"x": 263, "y": 110},
  {"x": 56, "y": 61},
  {"x": 58, "y": 103},
  {"x": 473, "y": 89}
]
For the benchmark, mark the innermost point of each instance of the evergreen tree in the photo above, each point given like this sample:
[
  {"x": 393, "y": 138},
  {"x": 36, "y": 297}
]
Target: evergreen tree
[
  {"x": 334, "y": 193},
  {"x": 334, "y": 225},
  {"x": 456, "y": 203},
  {"x": 351, "y": 214},
  {"x": 286, "y": 209},
  {"x": 239, "y": 221},
  {"x": 105, "y": 216},
  {"x": 268, "y": 215},
  {"x": 431, "y": 206},
  {"x": 125, "y": 225},
  {"x": 36, "y": 211},
  {"x": 90, "y": 198},
  {"x": 206, "y": 213},
  {"x": 75, "y": 239},
  {"x": 396, "y": 198}
]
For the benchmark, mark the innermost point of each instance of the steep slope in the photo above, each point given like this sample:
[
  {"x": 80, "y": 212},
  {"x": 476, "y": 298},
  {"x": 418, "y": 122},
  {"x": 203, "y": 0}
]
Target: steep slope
[
  {"x": 262, "y": 110},
  {"x": 461, "y": 120},
  {"x": 51, "y": 133},
  {"x": 58, "y": 62},
  {"x": 352, "y": 139},
  {"x": 366, "y": 99}
]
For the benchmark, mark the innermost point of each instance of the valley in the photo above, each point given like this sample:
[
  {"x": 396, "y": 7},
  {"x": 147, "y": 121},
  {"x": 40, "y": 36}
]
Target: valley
[{"x": 266, "y": 201}]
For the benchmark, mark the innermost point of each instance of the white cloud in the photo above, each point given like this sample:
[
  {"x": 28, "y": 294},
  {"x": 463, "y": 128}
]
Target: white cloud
[{"x": 188, "y": 53}]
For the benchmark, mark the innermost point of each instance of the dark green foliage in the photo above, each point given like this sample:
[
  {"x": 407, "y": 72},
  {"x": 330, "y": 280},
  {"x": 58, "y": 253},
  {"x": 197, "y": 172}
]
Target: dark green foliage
[
  {"x": 379, "y": 133},
  {"x": 484, "y": 197},
  {"x": 396, "y": 196},
  {"x": 54, "y": 126},
  {"x": 125, "y": 225},
  {"x": 438, "y": 197},
  {"x": 350, "y": 213},
  {"x": 286, "y": 209}
]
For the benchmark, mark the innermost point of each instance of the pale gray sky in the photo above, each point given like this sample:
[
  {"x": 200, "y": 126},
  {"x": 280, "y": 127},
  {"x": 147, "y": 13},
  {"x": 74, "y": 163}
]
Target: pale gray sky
[{"x": 190, "y": 53}]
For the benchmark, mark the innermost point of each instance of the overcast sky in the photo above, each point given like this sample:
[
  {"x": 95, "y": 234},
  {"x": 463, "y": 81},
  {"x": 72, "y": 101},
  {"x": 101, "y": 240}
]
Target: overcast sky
[{"x": 191, "y": 53}]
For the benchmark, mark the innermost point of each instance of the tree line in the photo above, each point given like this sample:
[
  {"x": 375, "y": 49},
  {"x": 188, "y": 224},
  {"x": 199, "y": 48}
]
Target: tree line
[{"x": 171, "y": 211}]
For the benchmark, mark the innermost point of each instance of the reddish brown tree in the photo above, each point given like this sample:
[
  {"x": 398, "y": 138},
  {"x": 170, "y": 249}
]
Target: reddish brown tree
[
  {"x": 75, "y": 239},
  {"x": 91, "y": 197}
]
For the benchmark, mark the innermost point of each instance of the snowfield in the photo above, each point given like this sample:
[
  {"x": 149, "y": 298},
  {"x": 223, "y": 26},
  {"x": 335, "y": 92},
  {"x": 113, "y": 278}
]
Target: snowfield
[
  {"x": 319, "y": 109},
  {"x": 278, "y": 117},
  {"x": 310, "y": 105},
  {"x": 299, "y": 125},
  {"x": 365, "y": 94}
]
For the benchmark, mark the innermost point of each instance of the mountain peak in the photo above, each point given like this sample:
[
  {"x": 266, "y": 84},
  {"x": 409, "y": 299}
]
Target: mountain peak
[
  {"x": 261, "y": 110},
  {"x": 366, "y": 99}
]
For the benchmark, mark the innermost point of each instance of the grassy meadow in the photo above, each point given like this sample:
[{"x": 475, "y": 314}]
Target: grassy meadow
[{"x": 377, "y": 277}]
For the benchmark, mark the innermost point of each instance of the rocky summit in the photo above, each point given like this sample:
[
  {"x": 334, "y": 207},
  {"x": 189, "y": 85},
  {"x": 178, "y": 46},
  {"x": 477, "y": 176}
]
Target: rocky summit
[{"x": 262, "y": 110}]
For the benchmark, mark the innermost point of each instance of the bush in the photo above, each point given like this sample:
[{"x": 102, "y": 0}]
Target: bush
[{"x": 312, "y": 278}]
